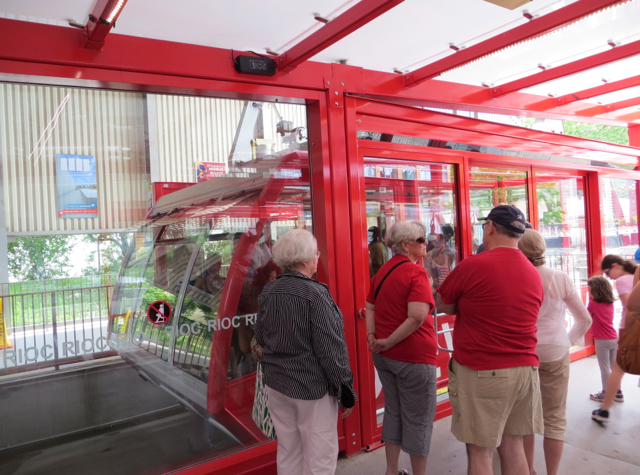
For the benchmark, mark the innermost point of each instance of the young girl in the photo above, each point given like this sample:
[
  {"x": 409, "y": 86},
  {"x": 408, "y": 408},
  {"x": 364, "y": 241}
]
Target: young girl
[{"x": 602, "y": 330}]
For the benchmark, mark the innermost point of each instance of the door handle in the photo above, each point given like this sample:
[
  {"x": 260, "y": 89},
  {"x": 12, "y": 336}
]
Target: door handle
[{"x": 361, "y": 313}]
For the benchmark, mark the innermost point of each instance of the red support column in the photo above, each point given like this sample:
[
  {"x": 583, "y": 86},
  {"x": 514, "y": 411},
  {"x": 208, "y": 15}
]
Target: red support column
[{"x": 594, "y": 222}]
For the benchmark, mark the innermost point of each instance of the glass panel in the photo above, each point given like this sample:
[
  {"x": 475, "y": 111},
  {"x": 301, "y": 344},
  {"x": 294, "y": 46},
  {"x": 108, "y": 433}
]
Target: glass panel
[
  {"x": 620, "y": 215},
  {"x": 561, "y": 217},
  {"x": 489, "y": 187},
  {"x": 398, "y": 190},
  {"x": 150, "y": 369}
]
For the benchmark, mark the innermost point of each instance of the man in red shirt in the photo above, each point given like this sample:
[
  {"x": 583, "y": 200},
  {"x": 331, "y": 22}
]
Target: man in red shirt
[{"x": 494, "y": 387}]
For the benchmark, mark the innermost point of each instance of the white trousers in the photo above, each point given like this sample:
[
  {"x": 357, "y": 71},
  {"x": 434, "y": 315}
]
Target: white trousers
[{"x": 307, "y": 434}]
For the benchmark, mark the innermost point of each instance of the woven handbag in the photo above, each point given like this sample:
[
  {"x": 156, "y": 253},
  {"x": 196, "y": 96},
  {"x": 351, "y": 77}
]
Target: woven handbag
[
  {"x": 628, "y": 357},
  {"x": 260, "y": 413}
]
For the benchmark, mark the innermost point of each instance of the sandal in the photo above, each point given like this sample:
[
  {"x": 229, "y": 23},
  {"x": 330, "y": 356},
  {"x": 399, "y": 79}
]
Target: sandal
[{"x": 403, "y": 471}]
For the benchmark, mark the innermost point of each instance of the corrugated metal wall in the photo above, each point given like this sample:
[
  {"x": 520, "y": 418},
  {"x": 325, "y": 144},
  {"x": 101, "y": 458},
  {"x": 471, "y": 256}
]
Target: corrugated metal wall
[
  {"x": 202, "y": 129},
  {"x": 38, "y": 122}
]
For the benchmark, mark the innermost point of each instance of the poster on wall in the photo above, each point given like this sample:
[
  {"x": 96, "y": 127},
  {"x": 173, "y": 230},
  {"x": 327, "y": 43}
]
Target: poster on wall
[
  {"x": 77, "y": 186},
  {"x": 207, "y": 170}
]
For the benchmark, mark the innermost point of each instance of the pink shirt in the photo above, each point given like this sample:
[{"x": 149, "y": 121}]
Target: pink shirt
[
  {"x": 602, "y": 326},
  {"x": 624, "y": 285}
]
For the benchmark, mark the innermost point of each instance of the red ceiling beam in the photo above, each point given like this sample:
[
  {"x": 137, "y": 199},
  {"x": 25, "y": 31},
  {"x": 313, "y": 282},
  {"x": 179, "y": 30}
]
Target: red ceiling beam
[
  {"x": 46, "y": 50},
  {"x": 536, "y": 27},
  {"x": 101, "y": 21},
  {"x": 607, "y": 108},
  {"x": 598, "y": 91},
  {"x": 357, "y": 16},
  {"x": 600, "y": 59}
]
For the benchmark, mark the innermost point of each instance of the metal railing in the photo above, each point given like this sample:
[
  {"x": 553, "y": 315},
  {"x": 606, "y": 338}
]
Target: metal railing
[{"x": 55, "y": 322}]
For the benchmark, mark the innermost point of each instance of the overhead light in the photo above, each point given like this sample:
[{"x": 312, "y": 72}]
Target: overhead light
[
  {"x": 510, "y": 4},
  {"x": 101, "y": 20},
  {"x": 112, "y": 10}
]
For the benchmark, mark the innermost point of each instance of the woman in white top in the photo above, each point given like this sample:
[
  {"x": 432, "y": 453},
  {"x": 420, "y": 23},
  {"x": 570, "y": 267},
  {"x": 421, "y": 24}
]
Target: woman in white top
[{"x": 553, "y": 349}]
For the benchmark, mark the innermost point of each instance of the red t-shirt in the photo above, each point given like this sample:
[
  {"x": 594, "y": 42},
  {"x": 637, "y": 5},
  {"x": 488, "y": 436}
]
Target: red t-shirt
[
  {"x": 499, "y": 293},
  {"x": 602, "y": 327},
  {"x": 408, "y": 283}
]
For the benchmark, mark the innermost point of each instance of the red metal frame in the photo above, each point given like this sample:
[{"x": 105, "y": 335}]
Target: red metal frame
[
  {"x": 348, "y": 22},
  {"x": 455, "y": 128},
  {"x": 597, "y": 91},
  {"x": 134, "y": 63},
  {"x": 615, "y": 54},
  {"x": 608, "y": 108},
  {"x": 534, "y": 28}
]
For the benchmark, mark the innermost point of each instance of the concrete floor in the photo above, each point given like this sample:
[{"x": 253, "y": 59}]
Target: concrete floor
[{"x": 590, "y": 448}]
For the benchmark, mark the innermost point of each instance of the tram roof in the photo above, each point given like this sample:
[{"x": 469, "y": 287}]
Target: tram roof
[{"x": 569, "y": 59}]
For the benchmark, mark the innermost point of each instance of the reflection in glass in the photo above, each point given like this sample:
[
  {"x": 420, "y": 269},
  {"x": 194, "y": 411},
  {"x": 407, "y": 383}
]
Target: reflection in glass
[
  {"x": 490, "y": 187},
  {"x": 561, "y": 218},
  {"x": 399, "y": 190},
  {"x": 620, "y": 215},
  {"x": 158, "y": 373}
]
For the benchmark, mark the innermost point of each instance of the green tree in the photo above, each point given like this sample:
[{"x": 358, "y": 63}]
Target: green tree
[
  {"x": 112, "y": 250},
  {"x": 39, "y": 257},
  {"x": 604, "y": 133}
]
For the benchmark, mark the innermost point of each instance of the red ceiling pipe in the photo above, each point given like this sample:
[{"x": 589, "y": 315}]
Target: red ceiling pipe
[
  {"x": 357, "y": 16},
  {"x": 584, "y": 64},
  {"x": 598, "y": 90},
  {"x": 536, "y": 27},
  {"x": 612, "y": 107},
  {"x": 101, "y": 20}
]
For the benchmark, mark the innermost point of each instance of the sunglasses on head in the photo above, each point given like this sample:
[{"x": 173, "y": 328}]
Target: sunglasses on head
[{"x": 421, "y": 240}]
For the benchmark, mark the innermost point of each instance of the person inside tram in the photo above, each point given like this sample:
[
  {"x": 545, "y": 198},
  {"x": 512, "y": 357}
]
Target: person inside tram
[
  {"x": 494, "y": 347},
  {"x": 622, "y": 271},
  {"x": 552, "y": 348},
  {"x": 377, "y": 250},
  {"x": 402, "y": 341},
  {"x": 210, "y": 281},
  {"x": 305, "y": 359}
]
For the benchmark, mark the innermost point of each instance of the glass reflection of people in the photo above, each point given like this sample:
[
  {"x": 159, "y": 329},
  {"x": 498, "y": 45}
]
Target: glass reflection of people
[
  {"x": 210, "y": 280},
  {"x": 377, "y": 250},
  {"x": 264, "y": 275}
]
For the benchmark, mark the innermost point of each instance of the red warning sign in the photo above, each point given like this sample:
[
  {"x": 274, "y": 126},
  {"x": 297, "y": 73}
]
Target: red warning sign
[{"x": 159, "y": 312}]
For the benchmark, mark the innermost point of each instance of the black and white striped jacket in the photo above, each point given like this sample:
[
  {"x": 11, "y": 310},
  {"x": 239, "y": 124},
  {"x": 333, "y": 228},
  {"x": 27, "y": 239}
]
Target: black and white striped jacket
[{"x": 301, "y": 332}]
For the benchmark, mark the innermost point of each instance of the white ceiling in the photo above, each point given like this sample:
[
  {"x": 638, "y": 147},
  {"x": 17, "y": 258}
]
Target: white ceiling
[{"x": 409, "y": 36}]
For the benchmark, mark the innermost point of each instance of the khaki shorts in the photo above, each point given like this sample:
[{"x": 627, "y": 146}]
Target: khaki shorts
[
  {"x": 487, "y": 404},
  {"x": 554, "y": 385}
]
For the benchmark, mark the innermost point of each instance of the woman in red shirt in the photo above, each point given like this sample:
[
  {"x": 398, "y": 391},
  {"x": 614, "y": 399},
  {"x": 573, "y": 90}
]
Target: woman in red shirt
[{"x": 402, "y": 339}]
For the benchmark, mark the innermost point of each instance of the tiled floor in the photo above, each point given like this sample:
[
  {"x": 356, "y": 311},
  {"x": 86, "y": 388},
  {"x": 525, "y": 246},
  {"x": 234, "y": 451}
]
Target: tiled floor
[{"x": 590, "y": 449}]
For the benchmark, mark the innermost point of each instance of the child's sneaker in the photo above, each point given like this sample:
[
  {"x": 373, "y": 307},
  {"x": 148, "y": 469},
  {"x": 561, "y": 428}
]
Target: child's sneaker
[
  {"x": 597, "y": 396},
  {"x": 619, "y": 397},
  {"x": 600, "y": 415}
]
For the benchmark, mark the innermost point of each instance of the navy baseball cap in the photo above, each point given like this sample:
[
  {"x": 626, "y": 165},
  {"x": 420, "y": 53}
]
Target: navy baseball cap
[{"x": 505, "y": 215}]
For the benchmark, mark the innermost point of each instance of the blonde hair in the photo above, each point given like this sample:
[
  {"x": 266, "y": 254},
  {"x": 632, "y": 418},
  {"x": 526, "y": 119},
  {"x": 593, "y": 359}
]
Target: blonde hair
[
  {"x": 533, "y": 246},
  {"x": 404, "y": 231}
]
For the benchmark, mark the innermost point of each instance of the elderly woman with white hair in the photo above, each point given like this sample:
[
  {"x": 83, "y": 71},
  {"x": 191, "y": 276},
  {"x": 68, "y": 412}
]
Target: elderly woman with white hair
[
  {"x": 402, "y": 339},
  {"x": 305, "y": 359}
]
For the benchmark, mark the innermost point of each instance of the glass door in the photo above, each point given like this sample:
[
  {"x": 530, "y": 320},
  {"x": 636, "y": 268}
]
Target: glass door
[
  {"x": 397, "y": 190},
  {"x": 560, "y": 201}
]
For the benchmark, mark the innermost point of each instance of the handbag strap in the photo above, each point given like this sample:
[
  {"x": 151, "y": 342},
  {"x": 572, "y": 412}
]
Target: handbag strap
[{"x": 375, "y": 296}]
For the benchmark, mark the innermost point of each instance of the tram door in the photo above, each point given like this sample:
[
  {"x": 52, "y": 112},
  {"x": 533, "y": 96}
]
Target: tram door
[{"x": 397, "y": 190}]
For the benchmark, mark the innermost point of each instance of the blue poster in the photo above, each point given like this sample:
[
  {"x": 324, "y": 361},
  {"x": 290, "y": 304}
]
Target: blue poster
[{"x": 77, "y": 186}]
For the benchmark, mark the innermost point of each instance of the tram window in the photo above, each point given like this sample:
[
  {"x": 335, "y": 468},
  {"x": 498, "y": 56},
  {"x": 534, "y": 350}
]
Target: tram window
[{"x": 491, "y": 187}]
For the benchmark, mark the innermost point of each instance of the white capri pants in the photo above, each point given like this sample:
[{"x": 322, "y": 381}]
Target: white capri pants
[{"x": 307, "y": 433}]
